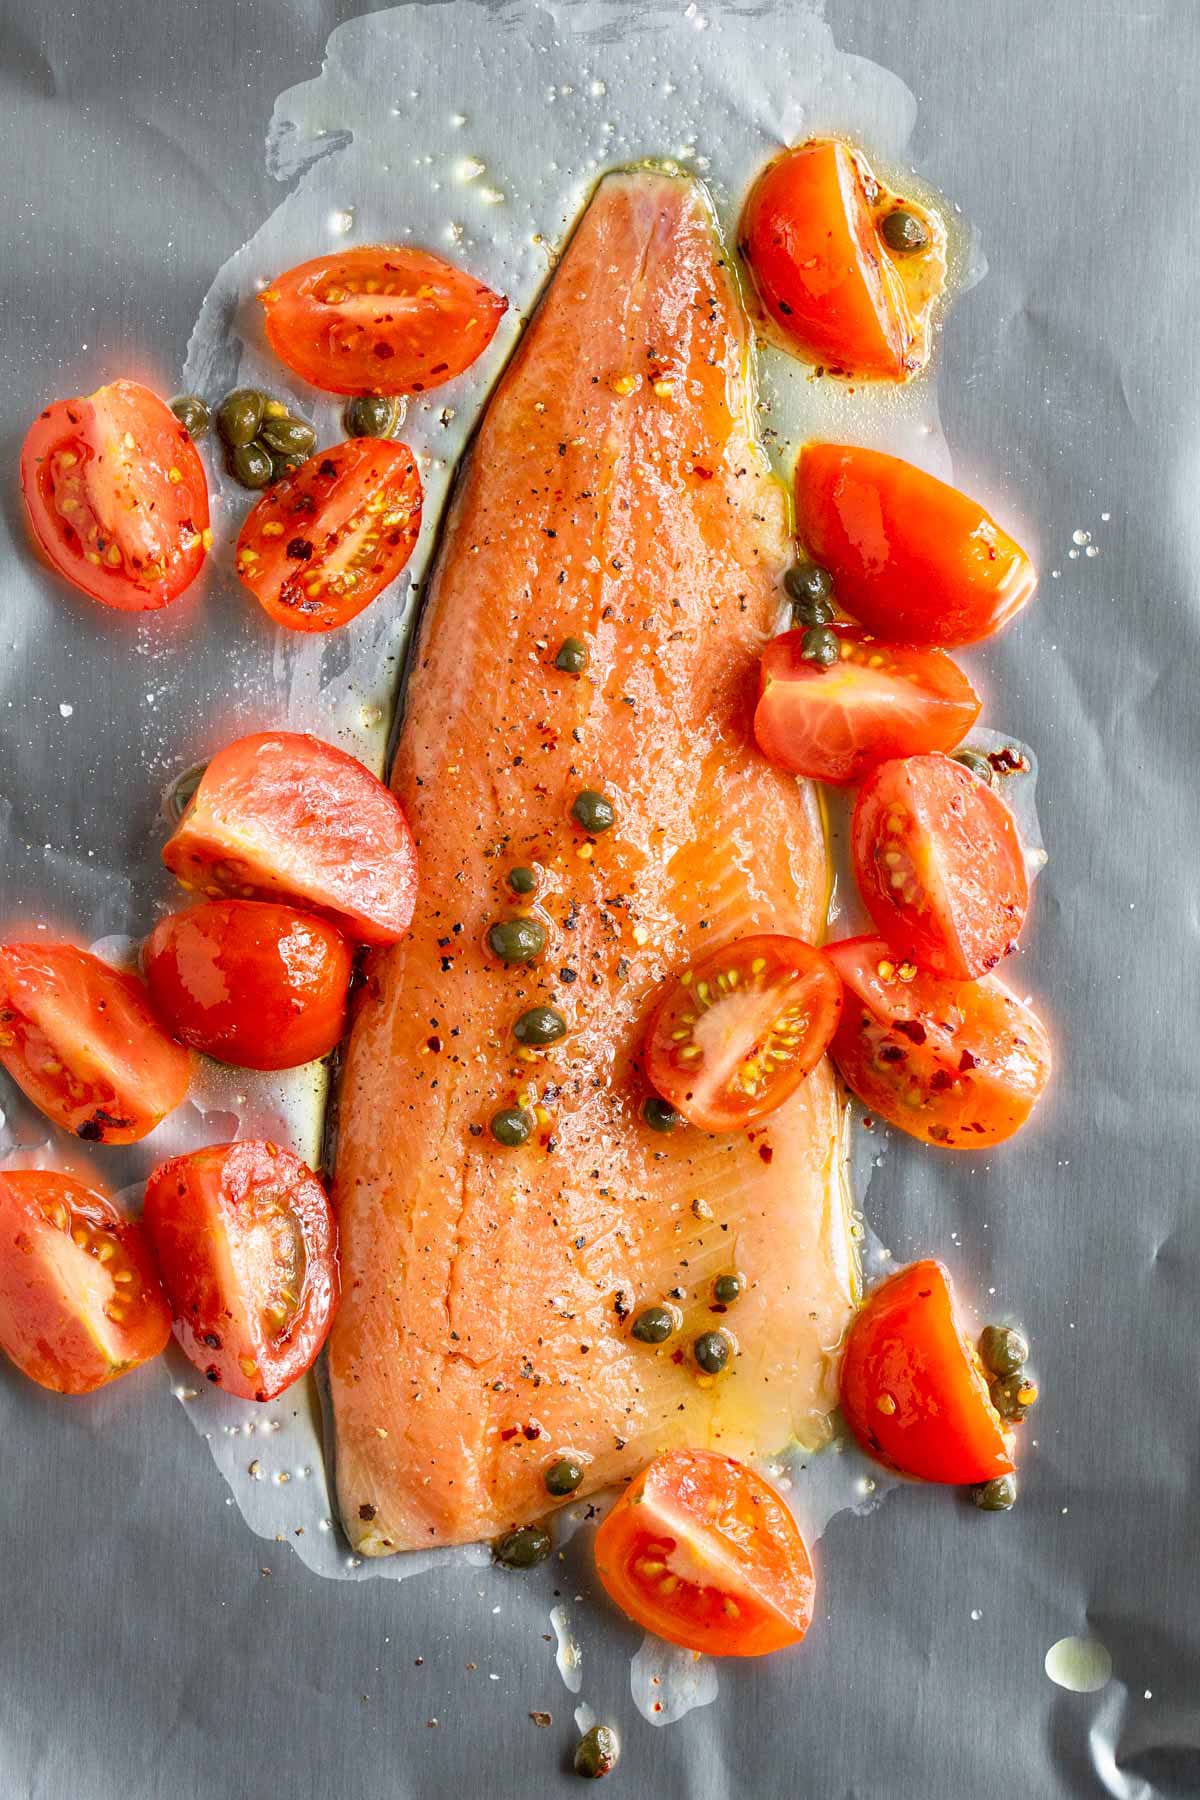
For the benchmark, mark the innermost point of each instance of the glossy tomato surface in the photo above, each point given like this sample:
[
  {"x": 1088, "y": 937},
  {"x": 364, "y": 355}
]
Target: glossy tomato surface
[
  {"x": 880, "y": 700},
  {"x": 281, "y": 814},
  {"x": 250, "y": 982},
  {"x": 961, "y": 1064},
  {"x": 116, "y": 496},
  {"x": 380, "y": 319},
  {"x": 734, "y": 1034},
  {"x": 939, "y": 863},
  {"x": 326, "y": 539},
  {"x": 79, "y": 1038},
  {"x": 80, "y": 1299},
  {"x": 247, "y": 1246},
  {"x": 913, "y": 1390},
  {"x": 913, "y": 559},
  {"x": 703, "y": 1552}
]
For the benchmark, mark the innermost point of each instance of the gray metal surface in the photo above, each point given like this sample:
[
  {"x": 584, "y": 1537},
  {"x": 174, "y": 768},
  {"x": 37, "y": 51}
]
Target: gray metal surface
[{"x": 149, "y": 1644}]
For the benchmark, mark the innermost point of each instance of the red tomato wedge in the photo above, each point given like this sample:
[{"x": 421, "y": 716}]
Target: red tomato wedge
[
  {"x": 80, "y": 1301},
  {"x": 247, "y": 1246},
  {"x": 79, "y": 1038},
  {"x": 326, "y": 539},
  {"x": 913, "y": 1390},
  {"x": 810, "y": 234},
  {"x": 703, "y": 1552},
  {"x": 116, "y": 496},
  {"x": 961, "y": 1064},
  {"x": 284, "y": 815},
  {"x": 250, "y": 982},
  {"x": 733, "y": 1035},
  {"x": 380, "y": 319},
  {"x": 939, "y": 864},
  {"x": 913, "y": 558},
  {"x": 880, "y": 700}
]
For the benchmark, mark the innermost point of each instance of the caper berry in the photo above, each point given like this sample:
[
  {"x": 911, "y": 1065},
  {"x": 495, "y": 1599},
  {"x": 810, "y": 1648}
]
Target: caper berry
[
  {"x": 807, "y": 581},
  {"x": 653, "y": 1325},
  {"x": 1003, "y": 1349},
  {"x": 659, "y": 1114},
  {"x": 572, "y": 658},
  {"x": 240, "y": 415},
  {"x": 711, "y": 1351},
  {"x": 251, "y": 465},
  {"x": 517, "y": 940},
  {"x": 997, "y": 1495},
  {"x": 372, "y": 415},
  {"x": 978, "y": 765},
  {"x": 522, "y": 881},
  {"x": 540, "y": 1025},
  {"x": 1014, "y": 1396},
  {"x": 597, "y": 1752},
  {"x": 727, "y": 1289},
  {"x": 192, "y": 414},
  {"x": 903, "y": 232},
  {"x": 819, "y": 645},
  {"x": 563, "y": 1476},
  {"x": 595, "y": 812},
  {"x": 288, "y": 437},
  {"x": 522, "y": 1548},
  {"x": 512, "y": 1126}
]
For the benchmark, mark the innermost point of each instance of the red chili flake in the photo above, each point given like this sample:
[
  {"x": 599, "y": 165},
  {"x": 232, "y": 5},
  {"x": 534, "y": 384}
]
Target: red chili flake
[
  {"x": 766, "y": 1152},
  {"x": 510, "y": 1431}
]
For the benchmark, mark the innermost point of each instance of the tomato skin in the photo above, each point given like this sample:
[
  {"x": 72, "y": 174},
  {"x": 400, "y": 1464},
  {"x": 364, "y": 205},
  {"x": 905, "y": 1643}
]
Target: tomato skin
[
  {"x": 913, "y": 558},
  {"x": 955, "y": 894},
  {"x": 300, "y": 556},
  {"x": 753, "y": 983},
  {"x": 284, "y": 815},
  {"x": 74, "y": 1315},
  {"x": 250, "y": 982},
  {"x": 111, "y": 472},
  {"x": 743, "y": 1579},
  {"x": 428, "y": 328},
  {"x": 881, "y": 700},
  {"x": 959, "y": 1064},
  {"x": 80, "y": 1040},
  {"x": 905, "y": 1348},
  {"x": 232, "y": 1226}
]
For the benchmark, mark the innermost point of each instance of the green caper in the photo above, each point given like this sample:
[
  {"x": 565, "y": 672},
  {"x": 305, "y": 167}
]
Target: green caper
[
  {"x": 808, "y": 584},
  {"x": 711, "y": 1351},
  {"x": 1004, "y": 1350},
  {"x": 372, "y": 415},
  {"x": 978, "y": 765},
  {"x": 597, "y": 1752},
  {"x": 653, "y": 1325},
  {"x": 997, "y": 1495},
  {"x": 522, "y": 1548},
  {"x": 192, "y": 414},
  {"x": 540, "y": 1025},
  {"x": 285, "y": 465},
  {"x": 288, "y": 437},
  {"x": 819, "y": 645},
  {"x": 522, "y": 881},
  {"x": 251, "y": 465},
  {"x": 181, "y": 795},
  {"x": 512, "y": 1126},
  {"x": 240, "y": 415},
  {"x": 727, "y": 1289},
  {"x": 903, "y": 232},
  {"x": 659, "y": 1114},
  {"x": 1014, "y": 1395},
  {"x": 595, "y": 812},
  {"x": 572, "y": 658},
  {"x": 563, "y": 1476},
  {"x": 517, "y": 940}
]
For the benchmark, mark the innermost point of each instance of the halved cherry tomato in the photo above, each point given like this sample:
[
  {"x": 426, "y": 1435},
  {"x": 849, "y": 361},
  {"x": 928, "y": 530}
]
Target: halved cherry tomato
[
  {"x": 703, "y": 1552},
  {"x": 380, "y": 319},
  {"x": 880, "y": 700},
  {"x": 247, "y": 1246},
  {"x": 250, "y": 982},
  {"x": 961, "y": 1064},
  {"x": 913, "y": 1391},
  {"x": 912, "y": 558},
  {"x": 80, "y": 1302},
  {"x": 116, "y": 496},
  {"x": 327, "y": 538},
  {"x": 736, "y": 1033},
  {"x": 79, "y": 1038},
  {"x": 810, "y": 233},
  {"x": 939, "y": 863},
  {"x": 281, "y": 814}
]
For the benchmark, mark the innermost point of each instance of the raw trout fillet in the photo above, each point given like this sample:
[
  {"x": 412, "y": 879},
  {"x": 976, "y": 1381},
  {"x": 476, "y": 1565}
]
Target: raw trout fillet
[{"x": 614, "y": 493}]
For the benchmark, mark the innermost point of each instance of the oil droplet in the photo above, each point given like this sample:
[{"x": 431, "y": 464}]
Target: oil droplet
[
  {"x": 976, "y": 1614},
  {"x": 469, "y": 168},
  {"x": 1081, "y": 537},
  {"x": 1081, "y": 1665},
  {"x": 342, "y": 220}
]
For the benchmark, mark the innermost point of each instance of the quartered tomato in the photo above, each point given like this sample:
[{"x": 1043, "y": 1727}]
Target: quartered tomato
[
  {"x": 247, "y": 1246},
  {"x": 735, "y": 1034},
  {"x": 939, "y": 864},
  {"x": 81, "y": 1041},
  {"x": 250, "y": 982},
  {"x": 380, "y": 319},
  {"x": 814, "y": 236},
  {"x": 702, "y": 1552},
  {"x": 879, "y": 700},
  {"x": 116, "y": 496},
  {"x": 913, "y": 1390},
  {"x": 958, "y": 1063},
  {"x": 912, "y": 558},
  {"x": 80, "y": 1302},
  {"x": 284, "y": 815},
  {"x": 329, "y": 537}
]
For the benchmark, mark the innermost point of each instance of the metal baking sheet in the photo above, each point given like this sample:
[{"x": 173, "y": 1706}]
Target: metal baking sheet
[{"x": 152, "y": 1644}]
